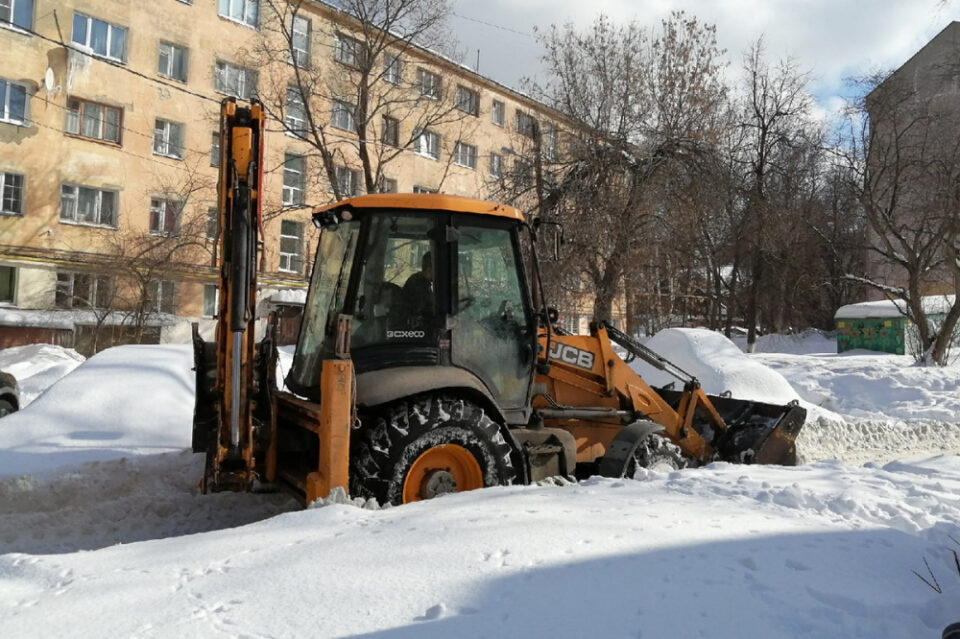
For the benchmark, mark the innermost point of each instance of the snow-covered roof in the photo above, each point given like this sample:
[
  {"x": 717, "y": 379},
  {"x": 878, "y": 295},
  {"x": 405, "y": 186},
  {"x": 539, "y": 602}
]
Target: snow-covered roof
[
  {"x": 932, "y": 304},
  {"x": 288, "y": 296},
  {"x": 68, "y": 319}
]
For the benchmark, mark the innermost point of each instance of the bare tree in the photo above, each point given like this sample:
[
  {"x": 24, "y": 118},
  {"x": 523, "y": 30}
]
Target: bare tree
[
  {"x": 775, "y": 119},
  {"x": 638, "y": 102},
  {"x": 369, "y": 103},
  {"x": 903, "y": 157}
]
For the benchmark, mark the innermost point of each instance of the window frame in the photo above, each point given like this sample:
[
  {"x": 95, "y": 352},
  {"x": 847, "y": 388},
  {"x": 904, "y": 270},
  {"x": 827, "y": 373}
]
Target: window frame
[
  {"x": 419, "y": 149},
  {"x": 21, "y": 189},
  {"x": 247, "y": 78},
  {"x": 215, "y": 149},
  {"x": 433, "y": 89},
  {"x": 215, "y": 301},
  {"x": 99, "y": 206},
  {"x": 392, "y": 68},
  {"x": 471, "y": 105},
  {"x": 461, "y": 149},
  {"x": 498, "y": 113},
  {"x": 159, "y": 300},
  {"x": 293, "y": 194},
  {"x": 528, "y": 120},
  {"x": 171, "y": 56},
  {"x": 14, "y": 278},
  {"x": 95, "y": 282},
  {"x": 165, "y": 140},
  {"x": 343, "y": 115},
  {"x": 340, "y": 172},
  {"x": 295, "y": 53},
  {"x": 288, "y": 262},
  {"x": 5, "y": 113},
  {"x": 161, "y": 212},
  {"x": 351, "y": 56},
  {"x": 289, "y": 119},
  {"x": 11, "y": 22},
  {"x": 88, "y": 36},
  {"x": 243, "y": 19},
  {"x": 387, "y": 124},
  {"x": 79, "y": 116},
  {"x": 496, "y": 171}
]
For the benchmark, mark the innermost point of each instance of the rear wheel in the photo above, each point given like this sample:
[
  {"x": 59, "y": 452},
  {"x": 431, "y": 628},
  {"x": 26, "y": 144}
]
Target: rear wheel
[
  {"x": 6, "y": 408},
  {"x": 428, "y": 446}
]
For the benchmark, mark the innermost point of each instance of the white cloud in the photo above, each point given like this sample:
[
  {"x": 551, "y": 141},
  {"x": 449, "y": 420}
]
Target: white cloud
[{"x": 833, "y": 39}]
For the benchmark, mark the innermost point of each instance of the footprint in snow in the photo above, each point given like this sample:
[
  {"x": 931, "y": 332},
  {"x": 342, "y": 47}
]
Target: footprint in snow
[
  {"x": 432, "y": 613},
  {"x": 749, "y": 563}
]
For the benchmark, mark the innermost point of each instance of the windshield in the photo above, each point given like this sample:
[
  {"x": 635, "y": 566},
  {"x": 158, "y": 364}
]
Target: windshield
[{"x": 328, "y": 286}]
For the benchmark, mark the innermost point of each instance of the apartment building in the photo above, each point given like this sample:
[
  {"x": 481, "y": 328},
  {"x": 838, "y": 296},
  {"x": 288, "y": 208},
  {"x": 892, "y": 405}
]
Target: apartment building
[{"x": 109, "y": 145}]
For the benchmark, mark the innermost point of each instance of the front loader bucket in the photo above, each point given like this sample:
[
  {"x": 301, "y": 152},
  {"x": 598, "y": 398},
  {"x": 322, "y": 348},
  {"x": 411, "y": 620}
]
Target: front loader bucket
[{"x": 757, "y": 433}]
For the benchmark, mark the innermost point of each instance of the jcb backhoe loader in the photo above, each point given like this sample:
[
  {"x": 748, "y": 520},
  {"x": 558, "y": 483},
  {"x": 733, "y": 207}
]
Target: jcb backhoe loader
[{"x": 423, "y": 365}]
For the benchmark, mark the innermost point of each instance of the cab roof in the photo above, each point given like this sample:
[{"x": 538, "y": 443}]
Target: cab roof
[{"x": 425, "y": 202}]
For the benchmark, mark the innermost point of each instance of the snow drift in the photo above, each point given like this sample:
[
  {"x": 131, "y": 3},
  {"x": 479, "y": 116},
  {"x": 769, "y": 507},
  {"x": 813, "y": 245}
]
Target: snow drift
[{"x": 128, "y": 400}]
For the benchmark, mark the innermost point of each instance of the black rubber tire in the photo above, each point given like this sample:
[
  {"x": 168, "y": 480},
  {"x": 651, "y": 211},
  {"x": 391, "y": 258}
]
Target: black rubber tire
[
  {"x": 387, "y": 444},
  {"x": 6, "y": 408},
  {"x": 659, "y": 454}
]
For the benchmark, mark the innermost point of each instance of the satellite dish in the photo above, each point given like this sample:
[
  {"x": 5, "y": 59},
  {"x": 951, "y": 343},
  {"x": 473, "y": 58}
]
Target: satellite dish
[{"x": 49, "y": 81}]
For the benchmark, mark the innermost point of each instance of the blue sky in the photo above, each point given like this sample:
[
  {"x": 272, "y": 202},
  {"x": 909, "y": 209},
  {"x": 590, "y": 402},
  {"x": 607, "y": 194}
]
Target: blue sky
[{"x": 832, "y": 39}]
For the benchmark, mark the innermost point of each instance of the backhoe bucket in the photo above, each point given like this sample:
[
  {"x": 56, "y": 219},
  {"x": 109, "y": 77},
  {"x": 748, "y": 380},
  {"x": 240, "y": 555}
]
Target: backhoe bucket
[{"x": 757, "y": 433}]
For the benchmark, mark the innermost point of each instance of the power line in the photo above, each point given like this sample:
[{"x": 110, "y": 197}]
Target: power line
[{"x": 496, "y": 26}]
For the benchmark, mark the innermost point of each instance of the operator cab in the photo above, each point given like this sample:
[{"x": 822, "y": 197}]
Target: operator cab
[{"x": 426, "y": 281}]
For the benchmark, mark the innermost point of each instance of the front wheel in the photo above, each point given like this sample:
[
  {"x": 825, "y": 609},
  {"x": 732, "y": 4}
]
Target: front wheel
[
  {"x": 6, "y": 408},
  {"x": 659, "y": 454},
  {"x": 428, "y": 446}
]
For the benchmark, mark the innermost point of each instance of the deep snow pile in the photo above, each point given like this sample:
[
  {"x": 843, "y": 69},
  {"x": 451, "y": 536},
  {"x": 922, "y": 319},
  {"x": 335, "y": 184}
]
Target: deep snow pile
[
  {"x": 37, "y": 367},
  {"x": 819, "y": 551},
  {"x": 128, "y": 400}
]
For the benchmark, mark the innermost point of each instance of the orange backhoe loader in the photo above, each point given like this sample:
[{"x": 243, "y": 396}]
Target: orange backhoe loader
[{"x": 424, "y": 365}]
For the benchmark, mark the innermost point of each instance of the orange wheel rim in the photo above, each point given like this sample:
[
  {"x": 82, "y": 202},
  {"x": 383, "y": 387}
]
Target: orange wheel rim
[{"x": 442, "y": 469}]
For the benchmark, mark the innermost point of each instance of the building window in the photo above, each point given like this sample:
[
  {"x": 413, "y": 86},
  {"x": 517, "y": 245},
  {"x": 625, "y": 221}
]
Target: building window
[
  {"x": 239, "y": 82},
  {"x": 497, "y": 113},
  {"x": 93, "y": 120},
  {"x": 107, "y": 40},
  {"x": 429, "y": 83},
  {"x": 83, "y": 290},
  {"x": 387, "y": 185},
  {"x": 548, "y": 142},
  {"x": 300, "y": 42},
  {"x": 11, "y": 193},
  {"x": 392, "y": 68},
  {"x": 163, "y": 295},
  {"x": 168, "y": 139},
  {"x": 390, "y": 133},
  {"x": 465, "y": 155},
  {"x": 343, "y": 116},
  {"x": 242, "y": 11},
  {"x": 8, "y": 280},
  {"x": 17, "y": 12},
  {"x": 172, "y": 61},
  {"x": 165, "y": 216},
  {"x": 13, "y": 102},
  {"x": 522, "y": 173},
  {"x": 293, "y": 179},
  {"x": 348, "y": 181},
  {"x": 211, "y": 299},
  {"x": 468, "y": 100},
  {"x": 427, "y": 143},
  {"x": 422, "y": 189},
  {"x": 348, "y": 50},
  {"x": 496, "y": 165},
  {"x": 85, "y": 205},
  {"x": 291, "y": 246},
  {"x": 295, "y": 116},
  {"x": 526, "y": 125},
  {"x": 214, "y": 149},
  {"x": 213, "y": 223}
]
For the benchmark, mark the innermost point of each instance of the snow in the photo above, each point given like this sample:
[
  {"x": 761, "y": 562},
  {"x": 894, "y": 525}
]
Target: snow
[
  {"x": 37, "y": 366},
  {"x": 126, "y": 545},
  {"x": 932, "y": 304}
]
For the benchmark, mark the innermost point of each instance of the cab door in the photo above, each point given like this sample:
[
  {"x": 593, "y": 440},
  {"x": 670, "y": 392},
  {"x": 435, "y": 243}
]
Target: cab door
[{"x": 493, "y": 334}]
